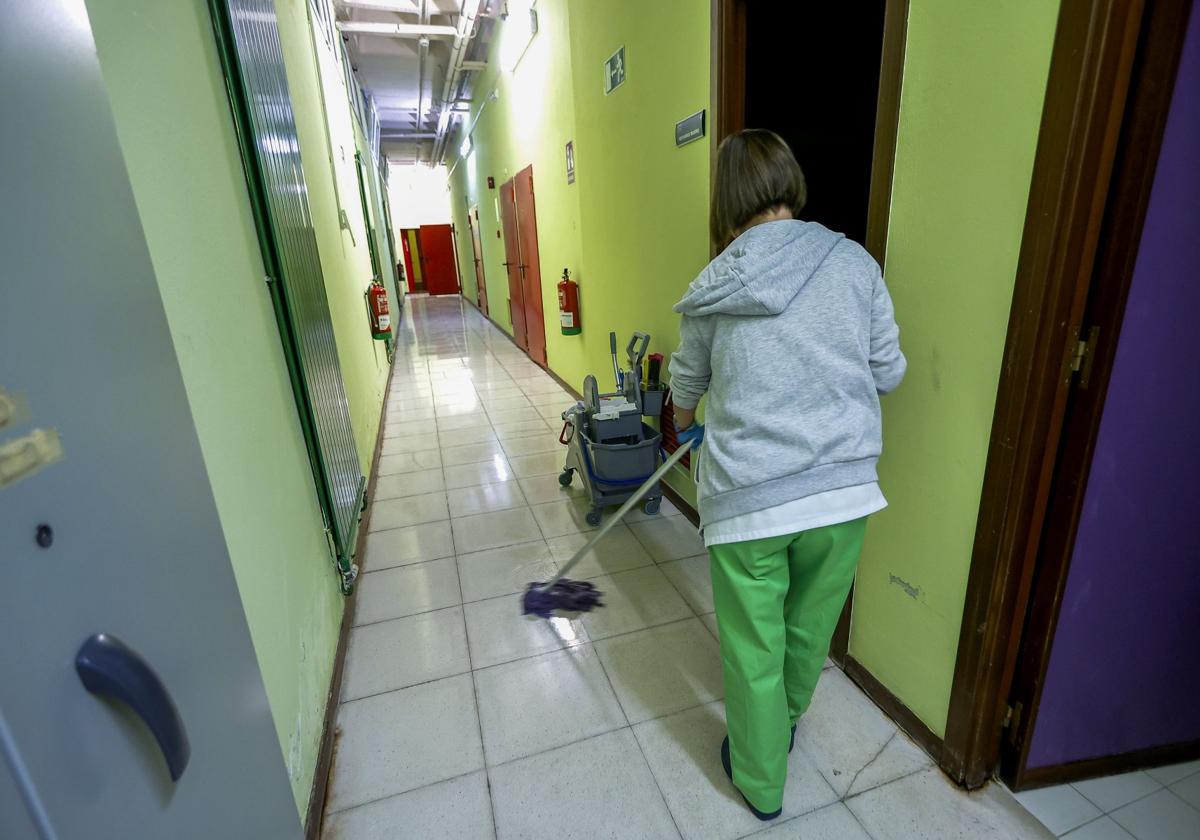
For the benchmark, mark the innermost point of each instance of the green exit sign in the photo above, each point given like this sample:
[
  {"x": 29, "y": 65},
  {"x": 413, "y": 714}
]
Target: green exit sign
[{"x": 614, "y": 71}]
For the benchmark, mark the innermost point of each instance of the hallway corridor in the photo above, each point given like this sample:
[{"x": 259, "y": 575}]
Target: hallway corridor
[{"x": 459, "y": 718}]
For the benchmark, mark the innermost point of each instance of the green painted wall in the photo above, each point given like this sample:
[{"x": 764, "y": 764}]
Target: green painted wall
[
  {"x": 974, "y": 81},
  {"x": 530, "y": 122},
  {"x": 632, "y": 228},
  {"x": 643, "y": 202},
  {"x": 187, "y": 177},
  {"x": 327, "y": 145}
]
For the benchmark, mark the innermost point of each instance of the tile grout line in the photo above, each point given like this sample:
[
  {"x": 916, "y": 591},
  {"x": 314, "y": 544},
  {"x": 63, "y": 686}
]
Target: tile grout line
[
  {"x": 543, "y": 541},
  {"x": 478, "y": 706},
  {"x": 455, "y": 778},
  {"x": 865, "y": 791},
  {"x": 474, "y": 682},
  {"x": 641, "y": 750},
  {"x": 854, "y": 816},
  {"x": 1167, "y": 788},
  {"x": 1099, "y": 807},
  {"x": 874, "y": 758}
]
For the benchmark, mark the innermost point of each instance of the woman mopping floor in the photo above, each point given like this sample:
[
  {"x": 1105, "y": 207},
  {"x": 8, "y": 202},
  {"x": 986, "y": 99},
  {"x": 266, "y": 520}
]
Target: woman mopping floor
[{"x": 790, "y": 332}]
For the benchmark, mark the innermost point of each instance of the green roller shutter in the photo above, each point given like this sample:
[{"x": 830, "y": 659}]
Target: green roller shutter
[{"x": 252, "y": 58}]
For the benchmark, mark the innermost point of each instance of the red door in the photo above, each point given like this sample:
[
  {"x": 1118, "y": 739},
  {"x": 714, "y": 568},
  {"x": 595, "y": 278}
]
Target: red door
[
  {"x": 438, "y": 268},
  {"x": 477, "y": 252},
  {"x": 531, "y": 272},
  {"x": 512, "y": 263}
]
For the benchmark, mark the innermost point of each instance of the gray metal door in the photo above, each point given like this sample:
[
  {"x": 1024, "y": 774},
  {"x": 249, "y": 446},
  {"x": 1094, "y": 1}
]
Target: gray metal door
[{"x": 162, "y": 729}]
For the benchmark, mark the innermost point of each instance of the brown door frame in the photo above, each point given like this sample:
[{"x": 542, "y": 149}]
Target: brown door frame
[
  {"x": 1156, "y": 62},
  {"x": 512, "y": 261},
  {"x": 728, "y": 86},
  {"x": 1091, "y": 68},
  {"x": 481, "y": 300},
  {"x": 530, "y": 267}
]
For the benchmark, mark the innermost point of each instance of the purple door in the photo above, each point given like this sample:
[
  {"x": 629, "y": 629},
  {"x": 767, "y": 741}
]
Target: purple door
[{"x": 1124, "y": 671}]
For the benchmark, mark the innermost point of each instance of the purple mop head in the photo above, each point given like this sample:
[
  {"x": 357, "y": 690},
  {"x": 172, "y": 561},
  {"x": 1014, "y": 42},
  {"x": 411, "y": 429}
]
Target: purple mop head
[{"x": 564, "y": 595}]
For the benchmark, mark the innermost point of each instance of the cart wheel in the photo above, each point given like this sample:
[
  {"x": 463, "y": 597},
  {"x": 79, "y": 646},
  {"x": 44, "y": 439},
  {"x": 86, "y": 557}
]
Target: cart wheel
[
  {"x": 652, "y": 506},
  {"x": 593, "y": 517},
  {"x": 564, "y": 478}
]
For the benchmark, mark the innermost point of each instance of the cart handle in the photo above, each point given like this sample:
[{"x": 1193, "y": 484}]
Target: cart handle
[
  {"x": 635, "y": 359},
  {"x": 563, "y": 437}
]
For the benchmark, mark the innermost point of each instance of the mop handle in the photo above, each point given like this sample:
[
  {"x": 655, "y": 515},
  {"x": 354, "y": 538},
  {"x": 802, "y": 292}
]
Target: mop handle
[{"x": 624, "y": 509}]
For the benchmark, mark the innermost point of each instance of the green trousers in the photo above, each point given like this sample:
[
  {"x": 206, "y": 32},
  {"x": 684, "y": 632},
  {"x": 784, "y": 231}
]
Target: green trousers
[{"x": 778, "y": 602}]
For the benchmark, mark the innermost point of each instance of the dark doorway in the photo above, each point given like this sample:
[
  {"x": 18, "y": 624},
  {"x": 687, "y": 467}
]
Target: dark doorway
[
  {"x": 826, "y": 78},
  {"x": 812, "y": 76}
]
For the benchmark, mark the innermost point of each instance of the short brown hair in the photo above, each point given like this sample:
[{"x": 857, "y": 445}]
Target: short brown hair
[{"x": 756, "y": 172}]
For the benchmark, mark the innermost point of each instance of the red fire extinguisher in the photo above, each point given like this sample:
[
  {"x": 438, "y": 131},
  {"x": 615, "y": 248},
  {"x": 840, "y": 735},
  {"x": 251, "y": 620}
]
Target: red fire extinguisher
[
  {"x": 377, "y": 304},
  {"x": 568, "y": 305}
]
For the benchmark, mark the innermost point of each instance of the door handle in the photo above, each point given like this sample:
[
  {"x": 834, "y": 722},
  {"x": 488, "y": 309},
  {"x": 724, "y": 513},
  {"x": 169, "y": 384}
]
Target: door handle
[{"x": 109, "y": 667}]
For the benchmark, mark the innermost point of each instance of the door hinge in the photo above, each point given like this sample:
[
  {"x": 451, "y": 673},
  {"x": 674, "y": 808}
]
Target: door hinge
[
  {"x": 1012, "y": 720},
  {"x": 1083, "y": 355}
]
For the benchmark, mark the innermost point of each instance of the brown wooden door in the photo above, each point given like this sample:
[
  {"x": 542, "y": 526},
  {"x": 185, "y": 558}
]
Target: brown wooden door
[
  {"x": 477, "y": 250},
  {"x": 438, "y": 266},
  {"x": 512, "y": 263},
  {"x": 531, "y": 272}
]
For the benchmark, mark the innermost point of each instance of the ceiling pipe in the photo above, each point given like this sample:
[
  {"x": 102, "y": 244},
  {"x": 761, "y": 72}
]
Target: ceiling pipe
[
  {"x": 468, "y": 13},
  {"x": 423, "y": 54},
  {"x": 408, "y": 7},
  {"x": 491, "y": 97},
  {"x": 396, "y": 30}
]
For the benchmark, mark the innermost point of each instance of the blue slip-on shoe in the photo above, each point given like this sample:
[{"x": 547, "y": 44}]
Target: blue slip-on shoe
[{"x": 762, "y": 815}]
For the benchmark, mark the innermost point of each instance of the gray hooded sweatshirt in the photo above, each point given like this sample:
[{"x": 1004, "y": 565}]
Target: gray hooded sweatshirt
[{"x": 792, "y": 334}]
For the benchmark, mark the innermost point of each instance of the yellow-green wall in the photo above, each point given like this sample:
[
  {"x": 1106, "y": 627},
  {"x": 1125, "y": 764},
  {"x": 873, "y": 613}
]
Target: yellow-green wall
[
  {"x": 643, "y": 201},
  {"x": 529, "y": 122},
  {"x": 161, "y": 68},
  {"x": 974, "y": 81},
  {"x": 633, "y": 230},
  {"x": 327, "y": 145}
]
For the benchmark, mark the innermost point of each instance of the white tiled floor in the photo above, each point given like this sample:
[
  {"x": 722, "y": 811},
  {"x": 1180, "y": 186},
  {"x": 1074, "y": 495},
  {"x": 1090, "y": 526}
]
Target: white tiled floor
[
  {"x": 460, "y": 718},
  {"x": 1158, "y": 804}
]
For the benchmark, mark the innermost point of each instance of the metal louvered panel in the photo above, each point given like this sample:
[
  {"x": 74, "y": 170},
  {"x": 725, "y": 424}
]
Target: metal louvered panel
[{"x": 252, "y": 55}]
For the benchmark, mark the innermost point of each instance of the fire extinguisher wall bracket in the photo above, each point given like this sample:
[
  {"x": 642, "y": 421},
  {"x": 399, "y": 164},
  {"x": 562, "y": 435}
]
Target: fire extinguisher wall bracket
[
  {"x": 378, "y": 312},
  {"x": 568, "y": 305}
]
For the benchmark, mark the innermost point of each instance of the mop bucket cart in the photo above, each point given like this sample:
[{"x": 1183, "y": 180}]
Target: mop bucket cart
[
  {"x": 608, "y": 444},
  {"x": 610, "y": 472}
]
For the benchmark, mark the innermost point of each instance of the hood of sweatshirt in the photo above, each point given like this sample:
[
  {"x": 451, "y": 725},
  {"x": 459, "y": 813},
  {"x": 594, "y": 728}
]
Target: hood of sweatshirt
[{"x": 761, "y": 271}]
